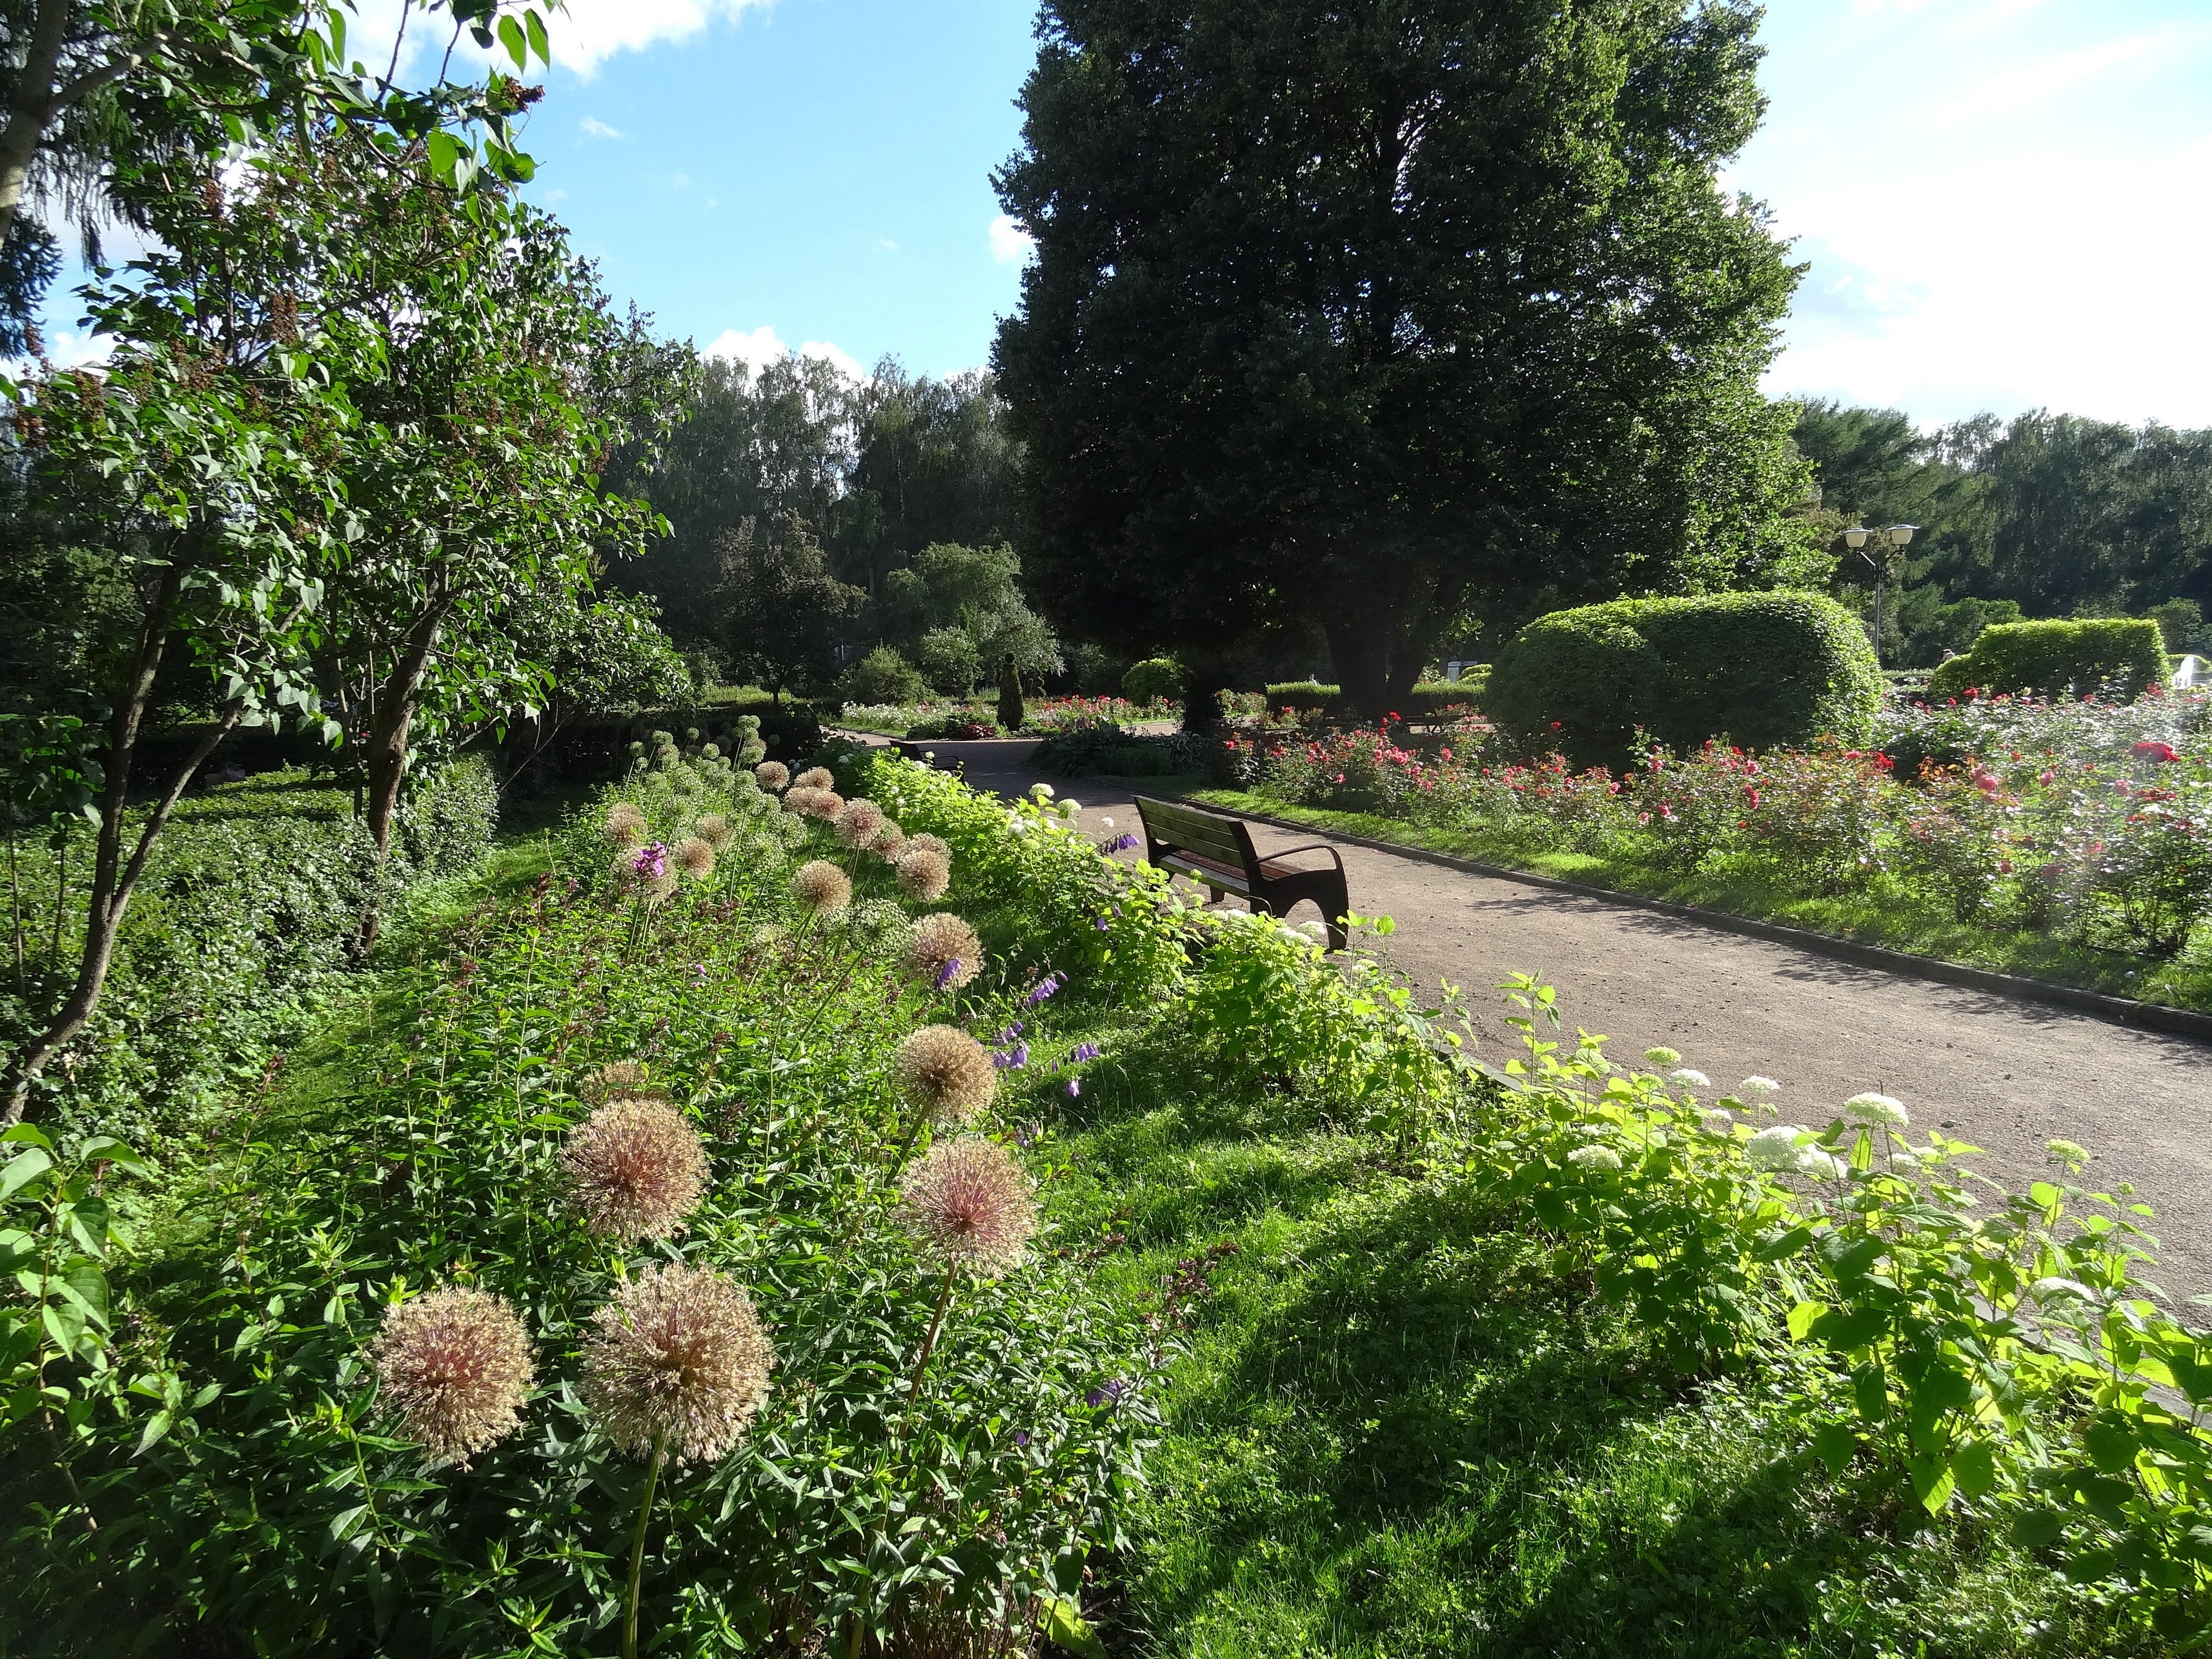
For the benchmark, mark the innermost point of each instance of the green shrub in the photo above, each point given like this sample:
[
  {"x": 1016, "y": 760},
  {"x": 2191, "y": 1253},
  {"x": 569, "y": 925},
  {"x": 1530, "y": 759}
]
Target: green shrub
[
  {"x": 1155, "y": 679},
  {"x": 2052, "y": 658},
  {"x": 1760, "y": 669},
  {"x": 950, "y": 661},
  {"x": 1423, "y": 702},
  {"x": 249, "y": 913},
  {"x": 884, "y": 676}
]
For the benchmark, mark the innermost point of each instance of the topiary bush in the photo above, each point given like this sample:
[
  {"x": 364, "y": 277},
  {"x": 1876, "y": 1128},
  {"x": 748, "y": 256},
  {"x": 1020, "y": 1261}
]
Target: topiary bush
[
  {"x": 2096, "y": 654},
  {"x": 1155, "y": 679},
  {"x": 884, "y": 676},
  {"x": 1762, "y": 670}
]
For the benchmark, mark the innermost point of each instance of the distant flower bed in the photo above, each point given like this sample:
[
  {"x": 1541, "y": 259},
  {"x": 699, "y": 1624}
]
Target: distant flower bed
[
  {"x": 891, "y": 717},
  {"x": 1053, "y": 715},
  {"x": 2084, "y": 820}
]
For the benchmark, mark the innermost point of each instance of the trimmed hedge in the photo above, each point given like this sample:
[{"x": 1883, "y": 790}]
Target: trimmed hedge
[
  {"x": 1763, "y": 669},
  {"x": 2052, "y": 658},
  {"x": 1155, "y": 679},
  {"x": 1425, "y": 701}
]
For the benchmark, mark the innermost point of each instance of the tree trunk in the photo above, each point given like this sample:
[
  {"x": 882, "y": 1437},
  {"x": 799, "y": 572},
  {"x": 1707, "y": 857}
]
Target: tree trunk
[
  {"x": 31, "y": 108},
  {"x": 392, "y": 712},
  {"x": 114, "y": 878},
  {"x": 1380, "y": 636}
]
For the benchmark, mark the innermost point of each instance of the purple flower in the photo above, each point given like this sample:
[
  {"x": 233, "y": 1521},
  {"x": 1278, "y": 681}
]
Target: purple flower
[
  {"x": 1045, "y": 988},
  {"x": 1083, "y": 1051},
  {"x": 1020, "y": 1436},
  {"x": 652, "y": 861},
  {"x": 1111, "y": 1390},
  {"x": 1014, "y": 1059},
  {"x": 1074, "y": 1087},
  {"x": 948, "y": 973},
  {"x": 1099, "y": 922},
  {"x": 1120, "y": 843}
]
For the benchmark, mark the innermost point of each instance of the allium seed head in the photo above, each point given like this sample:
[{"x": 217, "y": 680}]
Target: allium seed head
[
  {"x": 678, "y": 1356},
  {"x": 454, "y": 1368},
  {"x": 969, "y": 1203},
  {"x": 923, "y": 874},
  {"x": 858, "y": 824},
  {"x": 947, "y": 1073},
  {"x": 635, "y": 1169},
  {"x": 821, "y": 886},
  {"x": 932, "y": 843},
  {"x": 887, "y": 842},
  {"x": 817, "y": 777},
  {"x": 795, "y": 799},
  {"x": 943, "y": 950},
  {"x": 823, "y": 804},
  {"x": 773, "y": 775},
  {"x": 624, "y": 825},
  {"x": 693, "y": 856},
  {"x": 714, "y": 829}
]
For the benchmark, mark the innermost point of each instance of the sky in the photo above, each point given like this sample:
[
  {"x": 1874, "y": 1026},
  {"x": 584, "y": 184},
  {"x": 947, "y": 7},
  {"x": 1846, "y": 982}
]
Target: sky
[{"x": 2004, "y": 204}]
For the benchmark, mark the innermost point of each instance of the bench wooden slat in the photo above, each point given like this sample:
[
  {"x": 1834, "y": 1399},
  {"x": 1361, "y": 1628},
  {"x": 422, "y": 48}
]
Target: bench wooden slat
[{"x": 1217, "y": 850}]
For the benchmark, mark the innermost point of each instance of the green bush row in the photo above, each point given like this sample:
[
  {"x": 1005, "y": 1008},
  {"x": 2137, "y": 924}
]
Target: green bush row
[
  {"x": 250, "y": 912},
  {"x": 2104, "y": 654},
  {"x": 1425, "y": 701},
  {"x": 1762, "y": 670}
]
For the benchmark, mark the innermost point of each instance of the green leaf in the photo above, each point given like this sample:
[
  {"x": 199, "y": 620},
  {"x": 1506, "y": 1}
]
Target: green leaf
[
  {"x": 24, "y": 1168},
  {"x": 1932, "y": 1482},
  {"x": 1063, "y": 1625},
  {"x": 1836, "y": 1445},
  {"x": 2035, "y": 1529},
  {"x": 1845, "y": 1330},
  {"x": 444, "y": 153},
  {"x": 1976, "y": 1467},
  {"x": 1802, "y": 1317},
  {"x": 535, "y": 25},
  {"x": 2113, "y": 1444},
  {"x": 511, "y": 37}
]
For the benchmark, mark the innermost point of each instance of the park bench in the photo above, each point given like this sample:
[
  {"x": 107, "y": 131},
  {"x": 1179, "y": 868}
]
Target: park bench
[{"x": 1216, "y": 850}]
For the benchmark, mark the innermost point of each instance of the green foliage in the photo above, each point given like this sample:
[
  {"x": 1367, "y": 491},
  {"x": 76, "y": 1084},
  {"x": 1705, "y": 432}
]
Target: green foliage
[
  {"x": 1155, "y": 679},
  {"x": 1386, "y": 411},
  {"x": 2099, "y": 655},
  {"x": 884, "y": 676},
  {"x": 246, "y": 922},
  {"x": 1012, "y": 710},
  {"x": 950, "y": 661},
  {"x": 2181, "y": 623},
  {"x": 972, "y": 590},
  {"x": 1761, "y": 669},
  {"x": 781, "y": 609}
]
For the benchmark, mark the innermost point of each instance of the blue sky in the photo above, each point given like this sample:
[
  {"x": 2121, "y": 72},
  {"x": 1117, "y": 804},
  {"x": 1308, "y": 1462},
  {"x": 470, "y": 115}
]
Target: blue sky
[{"x": 2005, "y": 204}]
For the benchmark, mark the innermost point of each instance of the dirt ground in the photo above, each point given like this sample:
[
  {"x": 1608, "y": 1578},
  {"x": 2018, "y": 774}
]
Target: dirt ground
[{"x": 2005, "y": 1074}]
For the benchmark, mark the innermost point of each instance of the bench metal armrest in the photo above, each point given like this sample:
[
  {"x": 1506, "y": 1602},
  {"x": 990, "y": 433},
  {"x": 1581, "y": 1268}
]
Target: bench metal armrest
[{"x": 1293, "y": 852}]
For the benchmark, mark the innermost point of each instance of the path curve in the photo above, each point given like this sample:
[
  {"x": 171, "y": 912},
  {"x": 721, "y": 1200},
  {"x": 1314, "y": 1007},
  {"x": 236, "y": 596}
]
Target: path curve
[{"x": 2005, "y": 1074}]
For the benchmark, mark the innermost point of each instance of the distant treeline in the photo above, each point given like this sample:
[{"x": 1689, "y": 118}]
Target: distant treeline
[{"x": 2043, "y": 515}]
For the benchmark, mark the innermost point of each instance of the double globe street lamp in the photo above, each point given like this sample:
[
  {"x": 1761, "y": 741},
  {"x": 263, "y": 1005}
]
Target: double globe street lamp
[{"x": 1890, "y": 539}]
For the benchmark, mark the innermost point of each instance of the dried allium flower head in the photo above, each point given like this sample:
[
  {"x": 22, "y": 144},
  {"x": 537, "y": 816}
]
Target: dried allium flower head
[
  {"x": 614, "y": 1080},
  {"x": 635, "y": 1169},
  {"x": 454, "y": 1368},
  {"x": 969, "y": 1203},
  {"x": 795, "y": 798},
  {"x": 624, "y": 825},
  {"x": 858, "y": 824},
  {"x": 887, "y": 842},
  {"x": 773, "y": 775},
  {"x": 936, "y": 844},
  {"x": 947, "y": 1073},
  {"x": 817, "y": 777},
  {"x": 943, "y": 950},
  {"x": 678, "y": 1359},
  {"x": 714, "y": 829},
  {"x": 923, "y": 874},
  {"x": 821, "y": 886},
  {"x": 823, "y": 804},
  {"x": 693, "y": 856},
  {"x": 877, "y": 923}
]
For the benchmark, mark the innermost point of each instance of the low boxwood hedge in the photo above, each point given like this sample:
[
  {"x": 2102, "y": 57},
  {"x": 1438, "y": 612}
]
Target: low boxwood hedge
[
  {"x": 2106, "y": 655},
  {"x": 1425, "y": 701},
  {"x": 1760, "y": 669}
]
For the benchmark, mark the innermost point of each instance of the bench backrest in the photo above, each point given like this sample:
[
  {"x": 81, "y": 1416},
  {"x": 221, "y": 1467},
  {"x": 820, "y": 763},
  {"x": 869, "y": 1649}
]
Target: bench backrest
[{"x": 1169, "y": 828}]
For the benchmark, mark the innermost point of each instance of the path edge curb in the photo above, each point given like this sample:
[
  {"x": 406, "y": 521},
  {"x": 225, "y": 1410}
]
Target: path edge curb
[{"x": 2120, "y": 1010}]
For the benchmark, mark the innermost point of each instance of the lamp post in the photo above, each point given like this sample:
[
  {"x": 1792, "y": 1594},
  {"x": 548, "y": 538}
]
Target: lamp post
[{"x": 1891, "y": 539}]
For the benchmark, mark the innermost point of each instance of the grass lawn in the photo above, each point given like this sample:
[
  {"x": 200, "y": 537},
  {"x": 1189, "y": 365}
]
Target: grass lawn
[{"x": 1882, "y": 912}]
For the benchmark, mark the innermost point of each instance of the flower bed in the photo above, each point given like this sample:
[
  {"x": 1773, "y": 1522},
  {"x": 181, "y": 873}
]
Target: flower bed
[{"x": 2085, "y": 822}]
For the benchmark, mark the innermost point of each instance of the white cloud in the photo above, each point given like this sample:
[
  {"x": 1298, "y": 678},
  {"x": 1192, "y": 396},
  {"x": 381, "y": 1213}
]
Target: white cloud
[
  {"x": 589, "y": 32},
  {"x": 2030, "y": 84},
  {"x": 1010, "y": 243},
  {"x": 592, "y": 127},
  {"x": 2075, "y": 283},
  {"x": 763, "y": 345}
]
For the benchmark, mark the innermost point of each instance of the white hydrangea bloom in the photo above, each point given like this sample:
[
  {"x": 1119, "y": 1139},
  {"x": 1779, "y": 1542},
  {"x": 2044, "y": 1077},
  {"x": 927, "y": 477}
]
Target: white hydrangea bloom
[
  {"x": 1819, "y": 1164},
  {"x": 1881, "y": 1111},
  {"x": 1595, "y": 1157},
  {"x": 1042, "y": 791},
  {"x": 1718, "y": 1121},
  {"x": 1775, "y": 1149},
  {"x": 1758, "y": 1088},
  {"x": 1662, "y": 1055},
  {"x": 1690, "y": 1077}
]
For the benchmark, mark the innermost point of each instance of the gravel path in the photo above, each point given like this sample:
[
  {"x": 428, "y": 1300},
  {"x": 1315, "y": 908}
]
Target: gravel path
[{"x": 2003, "y": 1074}]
